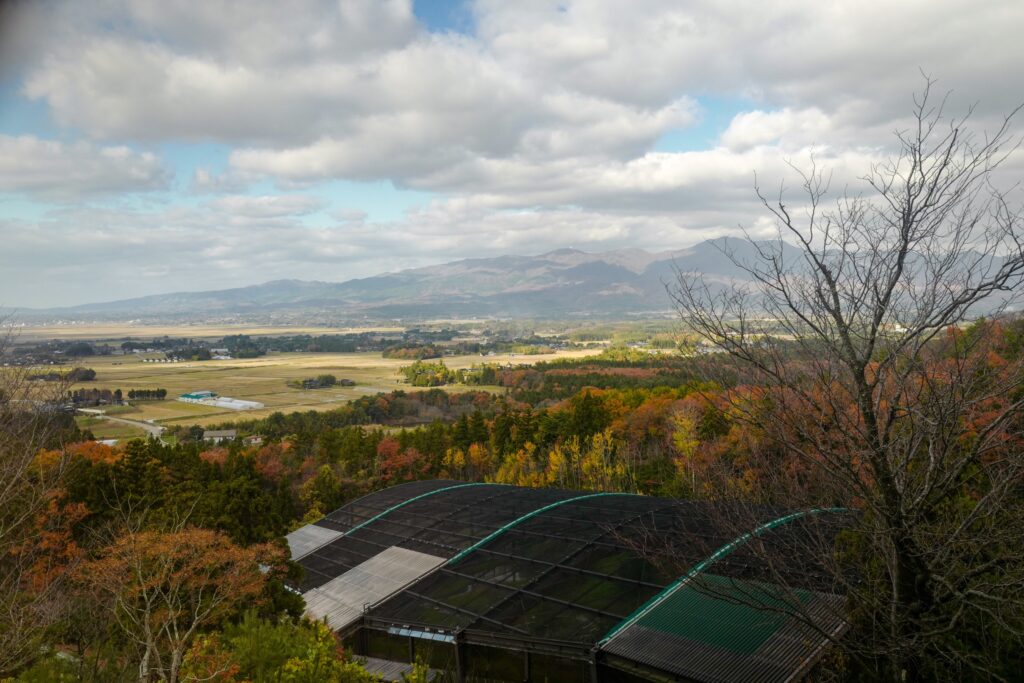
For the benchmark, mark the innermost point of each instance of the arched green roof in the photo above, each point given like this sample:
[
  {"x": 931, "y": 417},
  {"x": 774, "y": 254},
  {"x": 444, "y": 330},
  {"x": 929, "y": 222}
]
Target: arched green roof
[{"x": 555, "y": 565}]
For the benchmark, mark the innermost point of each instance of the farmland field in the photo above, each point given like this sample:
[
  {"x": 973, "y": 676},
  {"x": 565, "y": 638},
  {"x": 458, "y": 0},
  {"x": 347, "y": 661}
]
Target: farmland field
[
  {"x": 106, "y": 429},
  {"x": 265, "y": 379},
  {"x": 120, "y": 331}
]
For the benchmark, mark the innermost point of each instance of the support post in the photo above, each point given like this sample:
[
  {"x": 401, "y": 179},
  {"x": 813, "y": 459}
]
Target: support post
[{"x": 460, "y": 658}]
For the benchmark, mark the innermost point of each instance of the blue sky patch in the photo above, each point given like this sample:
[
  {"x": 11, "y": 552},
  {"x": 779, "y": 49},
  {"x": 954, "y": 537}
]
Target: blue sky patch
[
  {"x": 442, "y": 16},
  {"x": 714, "y": 117}
]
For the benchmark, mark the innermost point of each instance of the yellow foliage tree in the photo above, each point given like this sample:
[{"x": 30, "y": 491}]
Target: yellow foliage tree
[
  {"x": 600, "y": 467},
  {"x": 685, "y": 442},
  {"x": 455, "y": 462},
  {"x": 521, "y": 468}
]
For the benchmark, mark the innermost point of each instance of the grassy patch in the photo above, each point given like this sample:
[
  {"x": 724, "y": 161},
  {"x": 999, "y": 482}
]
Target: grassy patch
[
  {"x": 266, "y": 379},
  {"x": 120, "y": 410},
  {"x": 106, "y": 429}
]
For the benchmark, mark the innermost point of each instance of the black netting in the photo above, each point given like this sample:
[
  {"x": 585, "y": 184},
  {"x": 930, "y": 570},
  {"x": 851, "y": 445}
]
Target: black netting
[{"x": 568, "y": 574}]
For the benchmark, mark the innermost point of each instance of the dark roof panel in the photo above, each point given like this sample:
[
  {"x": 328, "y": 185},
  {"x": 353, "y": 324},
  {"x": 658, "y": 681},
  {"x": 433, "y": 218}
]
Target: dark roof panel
[{"x": 570, "y": 567}]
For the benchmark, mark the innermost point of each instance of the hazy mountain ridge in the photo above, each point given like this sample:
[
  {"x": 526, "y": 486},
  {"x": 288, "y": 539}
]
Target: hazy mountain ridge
[{"x": 562, "y": 282}]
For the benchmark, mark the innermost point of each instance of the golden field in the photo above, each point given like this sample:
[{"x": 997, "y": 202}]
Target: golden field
[
  {"x": 119, "y": 331},
  {"x": 266, "y": 379}
]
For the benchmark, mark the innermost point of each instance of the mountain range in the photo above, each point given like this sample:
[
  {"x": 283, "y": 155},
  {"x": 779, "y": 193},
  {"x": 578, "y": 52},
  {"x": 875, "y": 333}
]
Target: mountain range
[{"x": 562, "y": 283}]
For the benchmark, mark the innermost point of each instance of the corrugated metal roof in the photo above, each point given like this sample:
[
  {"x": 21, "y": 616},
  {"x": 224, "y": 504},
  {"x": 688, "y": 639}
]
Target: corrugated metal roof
[
  {"x": 342, "y": 600},
  {"x": 198, "y": 394},
  {"x": 724, "y": 630},
  {"x": 710, "y": 613},
  {"x": 306, "y": 539}
]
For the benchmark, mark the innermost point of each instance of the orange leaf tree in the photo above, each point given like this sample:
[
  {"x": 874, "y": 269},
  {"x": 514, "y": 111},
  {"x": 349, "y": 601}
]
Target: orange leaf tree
[
  {"x": 164, "y": 588},
  {"x": 30, "y": 483}
]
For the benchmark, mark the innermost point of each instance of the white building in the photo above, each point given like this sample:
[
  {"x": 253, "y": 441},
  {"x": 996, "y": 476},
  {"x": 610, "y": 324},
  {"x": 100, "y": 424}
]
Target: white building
[{"x": 209, "y": 398}]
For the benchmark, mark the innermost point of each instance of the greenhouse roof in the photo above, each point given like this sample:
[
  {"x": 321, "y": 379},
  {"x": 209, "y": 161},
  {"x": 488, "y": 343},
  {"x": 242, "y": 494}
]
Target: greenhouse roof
[{"x": 573, "y": 573}]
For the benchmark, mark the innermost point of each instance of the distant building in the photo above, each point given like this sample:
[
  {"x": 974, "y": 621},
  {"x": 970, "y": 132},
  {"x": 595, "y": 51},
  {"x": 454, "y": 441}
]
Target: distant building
[
  {"x": 220, "y": 435},
  {"x": 232, "y": 403},
  {"x": 197, "y": 396},
  {"x": 209, "y": 398},
  {"x": 253, "y": 440}
]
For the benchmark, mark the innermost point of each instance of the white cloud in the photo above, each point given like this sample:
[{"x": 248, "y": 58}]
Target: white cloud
[
  {"x": 754, "y": 128},
  {"x": 270, "y": 206},
  {"x": 213, "y": 247},
  {"x": 118, "y": 88},
  {"x": 789, "y": 52},
  {"x": 536, "y": 132},
  {"x": 349, "y": 215},
  {"x": 206, "y": 181},
  {"x": 270, "y": 33},
  {"x": 411, "y": 93},
  {"x": 408, "y": 146},
  {"x": 356, "y": 90},
  {"x": 62, "y": 171}
]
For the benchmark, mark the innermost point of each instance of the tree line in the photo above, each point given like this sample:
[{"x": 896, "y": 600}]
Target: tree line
[
  {"x": 77, "y": 374},
  {"x": 147, "y": 394}
]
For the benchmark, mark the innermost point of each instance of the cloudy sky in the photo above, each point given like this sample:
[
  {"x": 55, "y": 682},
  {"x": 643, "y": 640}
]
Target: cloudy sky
[{"x": 164, "y": 145}]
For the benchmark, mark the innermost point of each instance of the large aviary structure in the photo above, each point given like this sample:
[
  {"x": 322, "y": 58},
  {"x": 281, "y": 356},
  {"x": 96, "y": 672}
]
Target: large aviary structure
[{"x": 503, "y": 583}]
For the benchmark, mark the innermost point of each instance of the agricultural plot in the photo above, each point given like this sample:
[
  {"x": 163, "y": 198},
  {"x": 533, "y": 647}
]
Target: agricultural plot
[
  {"x": 106, "y": 429},
  {"x": 266, "y": 380},
  {"x": 119, "y": 331}
]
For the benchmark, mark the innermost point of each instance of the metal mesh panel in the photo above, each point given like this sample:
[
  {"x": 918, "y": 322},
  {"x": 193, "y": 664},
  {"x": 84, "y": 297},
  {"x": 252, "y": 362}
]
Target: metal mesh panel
[
  {"x": 722, "y": 623},
  {"x": 567, "y": 574},
  {"x": 439, "y": 524},
  {"x": 563, "y": 577},
  {"x": 704, "y": 638}
]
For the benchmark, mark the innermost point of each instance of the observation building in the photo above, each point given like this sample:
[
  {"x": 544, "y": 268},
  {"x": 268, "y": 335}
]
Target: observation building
[{"x": 490, "y": 582}]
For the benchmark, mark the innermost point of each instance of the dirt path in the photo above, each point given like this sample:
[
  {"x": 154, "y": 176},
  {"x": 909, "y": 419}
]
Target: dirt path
[{"x": 150, "y": 428}]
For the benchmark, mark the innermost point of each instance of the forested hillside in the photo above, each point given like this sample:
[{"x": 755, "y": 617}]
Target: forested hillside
[{"x": 165, "y": 542}]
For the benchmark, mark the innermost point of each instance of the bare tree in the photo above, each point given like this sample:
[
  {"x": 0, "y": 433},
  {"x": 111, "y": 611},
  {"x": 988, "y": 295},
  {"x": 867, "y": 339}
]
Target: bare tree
[
  {"x": 876, "y": 399},
  {"x": 30, "y": 420}
]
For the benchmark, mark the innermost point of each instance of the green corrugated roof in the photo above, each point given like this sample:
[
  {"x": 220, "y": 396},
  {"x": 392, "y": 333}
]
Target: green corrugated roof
[
  {"x": 721, "y": 612},
  {"x": 198, "y": 394}
]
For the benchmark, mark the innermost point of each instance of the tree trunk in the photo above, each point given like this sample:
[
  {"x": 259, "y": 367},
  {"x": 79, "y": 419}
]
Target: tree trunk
[{"x": 144, "y": 665}]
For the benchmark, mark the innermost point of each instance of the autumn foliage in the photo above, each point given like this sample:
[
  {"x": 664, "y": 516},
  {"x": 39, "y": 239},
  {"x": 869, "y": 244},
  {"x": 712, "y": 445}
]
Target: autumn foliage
[{"x": 163, "y": 588}]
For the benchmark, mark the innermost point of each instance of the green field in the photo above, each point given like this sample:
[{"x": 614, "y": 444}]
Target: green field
[
  {"x": 265, "y": 380},
  {"x": 105, "y": 429}
]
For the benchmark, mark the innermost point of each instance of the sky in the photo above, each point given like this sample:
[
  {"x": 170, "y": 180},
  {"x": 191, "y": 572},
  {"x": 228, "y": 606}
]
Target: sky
[{"x": 152, "y": 146}]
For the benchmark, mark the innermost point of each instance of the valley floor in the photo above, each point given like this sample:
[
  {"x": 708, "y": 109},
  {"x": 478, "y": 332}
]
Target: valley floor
[{"x": 265, "y": 380}]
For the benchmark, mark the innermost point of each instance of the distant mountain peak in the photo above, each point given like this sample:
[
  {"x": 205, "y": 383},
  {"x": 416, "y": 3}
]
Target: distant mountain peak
[{"x": 559, "y": 283}]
